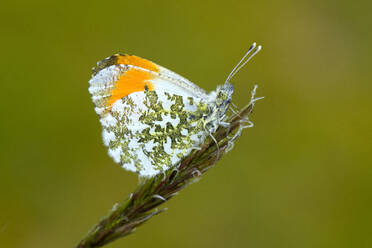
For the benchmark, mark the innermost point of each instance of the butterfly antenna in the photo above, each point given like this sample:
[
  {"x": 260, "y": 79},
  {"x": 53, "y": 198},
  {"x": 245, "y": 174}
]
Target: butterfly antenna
[
  {"x": 241, "y": 60},
  {"x": 252, "y": 51}
]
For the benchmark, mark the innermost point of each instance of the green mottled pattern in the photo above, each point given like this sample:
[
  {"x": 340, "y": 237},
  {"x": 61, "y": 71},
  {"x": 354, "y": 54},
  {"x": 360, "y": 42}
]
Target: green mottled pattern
[{"x": 138, "y": 125}]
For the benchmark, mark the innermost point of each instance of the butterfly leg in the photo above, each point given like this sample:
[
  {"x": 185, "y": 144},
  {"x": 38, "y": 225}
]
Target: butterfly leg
[{"x": 224, "y": 124}]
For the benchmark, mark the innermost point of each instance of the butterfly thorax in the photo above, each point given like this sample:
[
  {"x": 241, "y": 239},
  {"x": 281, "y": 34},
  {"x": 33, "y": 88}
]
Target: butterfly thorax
[{"x": 219, "y": 104}]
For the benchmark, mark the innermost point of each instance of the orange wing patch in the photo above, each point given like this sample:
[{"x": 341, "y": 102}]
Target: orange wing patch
[
  {"x": 131, "y": 81},
  {"x": 137, "y": 61}
]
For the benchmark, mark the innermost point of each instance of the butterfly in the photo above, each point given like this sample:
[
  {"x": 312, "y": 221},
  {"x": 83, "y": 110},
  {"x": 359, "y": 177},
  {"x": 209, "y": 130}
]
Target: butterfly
[{"x": 152, "y": 117}]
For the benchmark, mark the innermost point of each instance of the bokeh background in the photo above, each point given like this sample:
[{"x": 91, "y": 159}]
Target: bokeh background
[{"x": 302, "y": 177}]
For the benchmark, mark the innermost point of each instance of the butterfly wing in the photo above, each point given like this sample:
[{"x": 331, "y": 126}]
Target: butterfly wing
[{"x": 151, "y": 116}]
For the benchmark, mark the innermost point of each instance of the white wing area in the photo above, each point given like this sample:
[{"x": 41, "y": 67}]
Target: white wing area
[
  {"x": 170, "y": 81},
  {"x": 176, "y": 77}
]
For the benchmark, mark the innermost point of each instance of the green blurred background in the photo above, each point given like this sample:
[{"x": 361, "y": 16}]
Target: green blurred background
[{"x": 300, "y": 178}]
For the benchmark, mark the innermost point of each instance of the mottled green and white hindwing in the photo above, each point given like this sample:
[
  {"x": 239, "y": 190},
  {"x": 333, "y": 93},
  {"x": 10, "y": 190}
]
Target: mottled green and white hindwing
[{"x": 151, "y": 131}]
